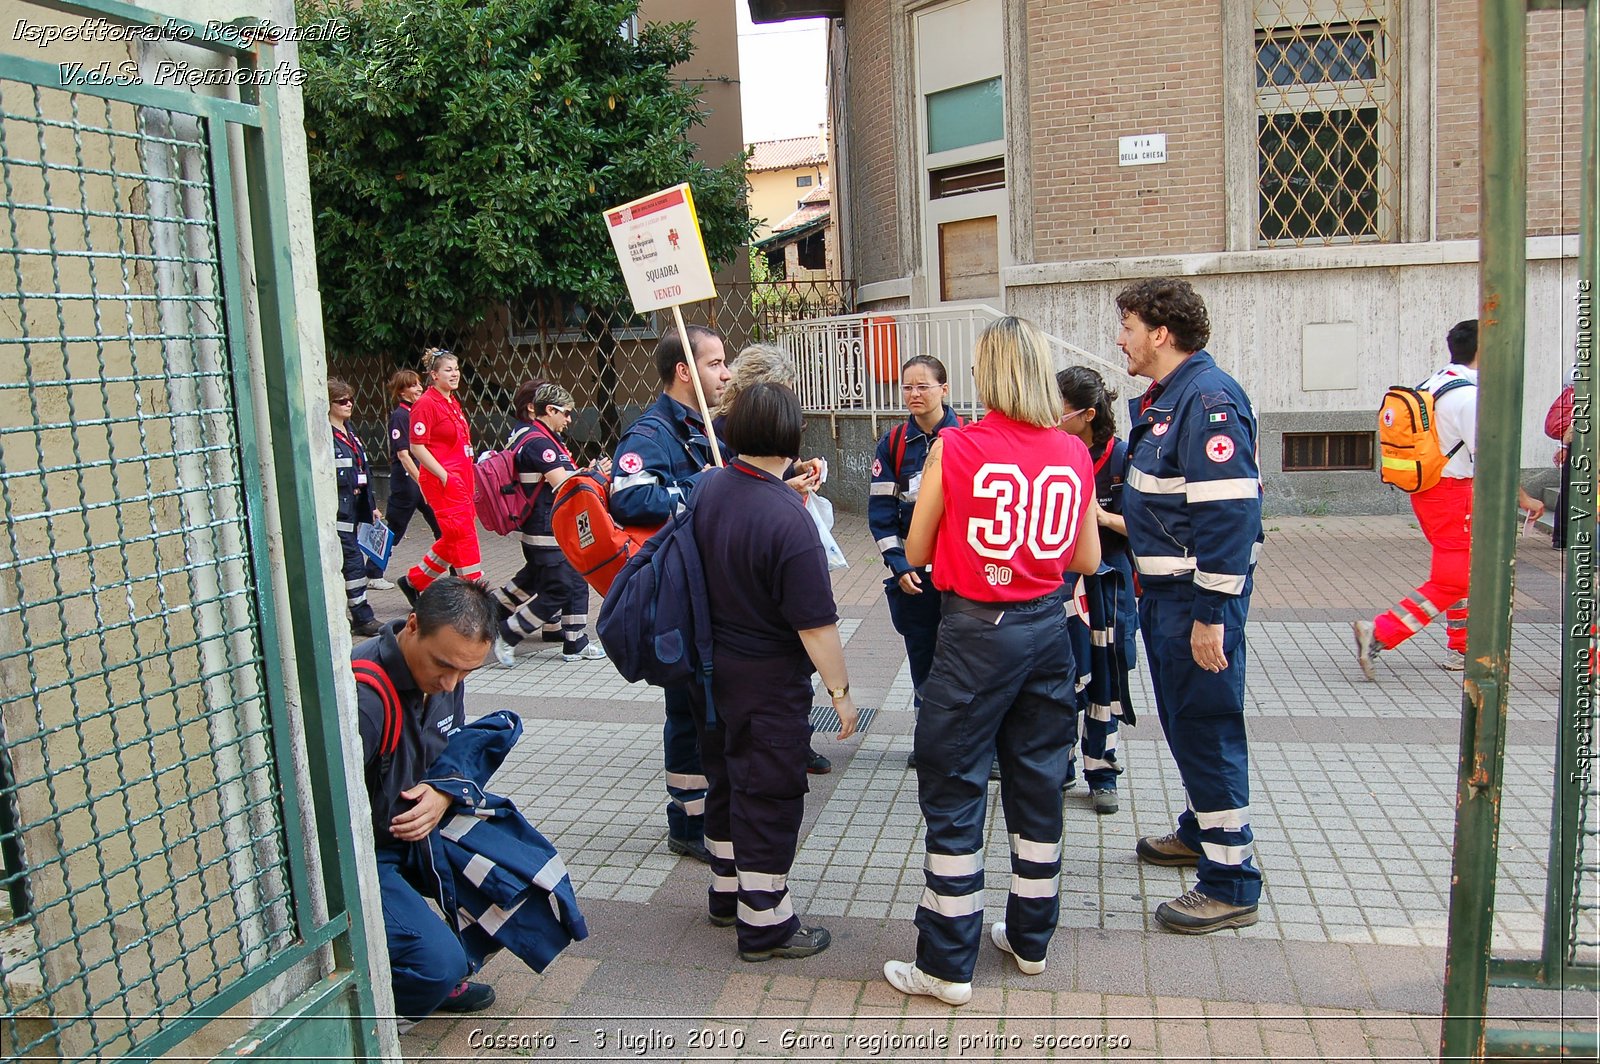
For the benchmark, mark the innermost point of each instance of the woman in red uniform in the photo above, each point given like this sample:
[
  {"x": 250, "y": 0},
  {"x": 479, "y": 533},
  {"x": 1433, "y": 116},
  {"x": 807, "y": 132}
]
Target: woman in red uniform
[
  {"x": 1004, "y": 511},
  {"x": 441, "y": 445}
]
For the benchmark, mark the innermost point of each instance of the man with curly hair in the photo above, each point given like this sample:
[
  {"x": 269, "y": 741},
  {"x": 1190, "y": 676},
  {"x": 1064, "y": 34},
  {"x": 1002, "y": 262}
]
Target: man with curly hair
[{"x": 1192, "y": 503}]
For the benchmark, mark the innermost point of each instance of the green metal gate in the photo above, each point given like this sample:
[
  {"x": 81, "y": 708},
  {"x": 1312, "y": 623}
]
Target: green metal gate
[
  {"x": 1570, "y": 953},
  {"x": 157, "y": 884}
]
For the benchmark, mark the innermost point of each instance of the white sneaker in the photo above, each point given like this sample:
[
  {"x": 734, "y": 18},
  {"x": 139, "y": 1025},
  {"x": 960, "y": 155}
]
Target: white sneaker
[
  {"x": 378, "y": 583},
  {"x": 1454, "y": 660},
  {"x": 1367, "y": 646},
  {"x": 997, "y": 935},
  {"x": 592, "y": 652},
  {"x": 504, "y": 653},
  {"x": 907, "y": 978}
]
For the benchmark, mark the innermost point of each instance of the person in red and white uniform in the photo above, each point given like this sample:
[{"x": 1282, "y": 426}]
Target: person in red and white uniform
[
  {"x": 1444, "y": 512},
  {"x": 441, "y": 445},
  {"x": 1004, "y": 511}
]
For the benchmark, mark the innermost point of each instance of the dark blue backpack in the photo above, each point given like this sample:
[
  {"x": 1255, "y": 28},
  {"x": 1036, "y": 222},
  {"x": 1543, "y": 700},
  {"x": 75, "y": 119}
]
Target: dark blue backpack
[{"x": 655, "y": 622}]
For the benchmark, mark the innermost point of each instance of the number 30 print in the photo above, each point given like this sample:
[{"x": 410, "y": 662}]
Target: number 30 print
[{"x": 1043, "y": 513}]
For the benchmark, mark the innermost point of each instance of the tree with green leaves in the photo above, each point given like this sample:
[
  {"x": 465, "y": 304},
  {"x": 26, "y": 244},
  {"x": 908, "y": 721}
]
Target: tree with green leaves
[{"x": 462, "y": 153}]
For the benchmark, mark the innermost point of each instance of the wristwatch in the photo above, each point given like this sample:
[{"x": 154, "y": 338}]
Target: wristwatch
[{"x": 839, "y": 692}]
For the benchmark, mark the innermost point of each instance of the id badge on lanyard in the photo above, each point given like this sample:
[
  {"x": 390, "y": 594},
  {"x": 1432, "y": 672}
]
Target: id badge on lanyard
[{"x": 913, "y": 486}]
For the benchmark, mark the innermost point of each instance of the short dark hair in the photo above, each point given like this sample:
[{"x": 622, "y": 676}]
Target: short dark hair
[
  {"x": 1172, "y": 302},
  {"x": 524, "y": 398},
  {"x": 467, "y": 606},
  {"x": 766, "y": 422},
  {"x": 669, "y": 351},
  {"x": 338, "y": 389},
  {"x": 1462, "y": 340}
]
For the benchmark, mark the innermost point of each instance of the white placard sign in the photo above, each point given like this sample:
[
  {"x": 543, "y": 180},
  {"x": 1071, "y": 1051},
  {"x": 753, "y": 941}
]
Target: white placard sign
[
  {"x": 1142, "y": 150},
  {"x": 657, "y": 239}
]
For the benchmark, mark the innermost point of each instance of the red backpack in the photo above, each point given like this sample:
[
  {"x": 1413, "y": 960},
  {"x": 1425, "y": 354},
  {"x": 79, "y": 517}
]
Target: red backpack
[
  {"x": 503, "y": 502},
  {"x": 595, "y": 545}
]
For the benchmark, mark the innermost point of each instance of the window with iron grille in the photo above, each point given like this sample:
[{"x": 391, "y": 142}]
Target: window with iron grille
[
  {"x": 1327, "y": 121},
  {"x": 1306, "y": 452}
]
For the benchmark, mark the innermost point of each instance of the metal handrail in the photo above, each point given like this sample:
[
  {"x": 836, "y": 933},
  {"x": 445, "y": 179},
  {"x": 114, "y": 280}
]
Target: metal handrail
[{"x": 850, "y": 363}]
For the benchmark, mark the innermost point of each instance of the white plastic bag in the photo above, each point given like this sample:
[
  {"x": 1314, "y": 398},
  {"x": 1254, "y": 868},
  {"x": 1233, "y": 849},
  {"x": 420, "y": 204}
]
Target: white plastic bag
[{"x": 821, "y": 511}]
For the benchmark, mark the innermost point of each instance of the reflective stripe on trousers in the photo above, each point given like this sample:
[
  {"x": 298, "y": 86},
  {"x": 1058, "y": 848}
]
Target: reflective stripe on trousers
[{"x": 1022, "y": 715}]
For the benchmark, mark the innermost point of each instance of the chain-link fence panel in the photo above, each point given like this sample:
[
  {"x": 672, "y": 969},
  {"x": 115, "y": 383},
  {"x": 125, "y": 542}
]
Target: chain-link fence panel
[{"x": 141, "y": 825}]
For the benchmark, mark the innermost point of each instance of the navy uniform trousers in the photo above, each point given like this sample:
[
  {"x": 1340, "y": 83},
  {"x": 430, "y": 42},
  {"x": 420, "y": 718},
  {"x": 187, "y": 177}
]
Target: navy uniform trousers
[
  {"x": 1202, "y": 716},
  {"x": 998, "y": 686},
  {"x": 425, "y": 956},
  {"x": 686, "y": 778},
  {"x": 916, "y": 618},
  {"x": 755, "y": 765}
]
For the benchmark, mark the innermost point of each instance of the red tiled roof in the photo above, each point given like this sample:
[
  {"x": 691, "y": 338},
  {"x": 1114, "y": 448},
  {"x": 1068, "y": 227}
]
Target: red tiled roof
[
  {"x": 786, "y": 154},
  {"x": 821, "y": 194},
  {"x": 801, "y": 217}
]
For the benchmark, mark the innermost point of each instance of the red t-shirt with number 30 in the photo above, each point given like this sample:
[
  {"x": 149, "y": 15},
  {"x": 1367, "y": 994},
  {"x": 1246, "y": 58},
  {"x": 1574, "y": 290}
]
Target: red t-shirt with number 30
[{"x": 1016, "y": 499}]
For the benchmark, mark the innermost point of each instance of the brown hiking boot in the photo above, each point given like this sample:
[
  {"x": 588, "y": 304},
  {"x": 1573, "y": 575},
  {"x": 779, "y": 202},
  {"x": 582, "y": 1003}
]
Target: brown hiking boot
[
  {"x": 1165, "y": 850},
  {"x": 1194, "y": 913}
]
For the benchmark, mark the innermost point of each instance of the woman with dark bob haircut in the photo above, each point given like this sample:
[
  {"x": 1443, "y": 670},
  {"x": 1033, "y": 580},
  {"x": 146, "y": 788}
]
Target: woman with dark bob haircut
[{"x": 773, "y": 621}]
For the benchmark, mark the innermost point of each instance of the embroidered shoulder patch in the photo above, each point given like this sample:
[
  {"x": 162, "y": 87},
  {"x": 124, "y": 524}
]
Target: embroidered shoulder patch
[
  {"x": 630, "y": 463},
  {"x": 1217, "y": 418},
  {"x": 419, "y": 428},
  {"x": 1219, "y": 448}
]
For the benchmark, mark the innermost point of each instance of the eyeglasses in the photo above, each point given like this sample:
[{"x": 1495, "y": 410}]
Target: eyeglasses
[
  {"x": 346, "y": 401},
  {"x": 1076, "y": 413},
  {"x": 919, "y": 389},
  {"x": 564, "y": 411}
]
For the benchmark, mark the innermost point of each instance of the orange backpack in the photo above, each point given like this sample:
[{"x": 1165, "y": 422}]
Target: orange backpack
[
  {"x": 595, "y": 545},
  {"x": 1413, "y": 459}
]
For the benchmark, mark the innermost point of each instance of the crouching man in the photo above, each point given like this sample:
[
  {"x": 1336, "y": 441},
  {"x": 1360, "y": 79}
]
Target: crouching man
[{"x": 410, "y": 698}]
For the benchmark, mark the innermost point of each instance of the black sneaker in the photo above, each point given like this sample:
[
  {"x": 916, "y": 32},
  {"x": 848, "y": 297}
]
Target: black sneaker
[
  {"x": 688, "y": 848},
  {"x": 816, "y": 764},
  {"x": 468, "y": 997},
  {"x": 366, "y": 629},
  {"x": 1104, "y": 799},
  {"x": 806, "y": 942},
  {"x": 721, "y": 921},
  {"x": 411, "y": 593}
]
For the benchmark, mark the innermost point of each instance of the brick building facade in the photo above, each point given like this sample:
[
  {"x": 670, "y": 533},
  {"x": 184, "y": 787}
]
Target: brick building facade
[{"x": 1319, "y": 187}]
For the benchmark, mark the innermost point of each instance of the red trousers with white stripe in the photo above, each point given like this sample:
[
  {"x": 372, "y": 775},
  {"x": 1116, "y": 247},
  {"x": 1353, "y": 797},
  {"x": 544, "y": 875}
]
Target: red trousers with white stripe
[
  {"x": 1445, "y": 513},
  {"x": 457, "y": 545}
]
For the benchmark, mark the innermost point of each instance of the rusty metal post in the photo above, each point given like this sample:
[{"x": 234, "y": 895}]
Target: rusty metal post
[{"x": 1502, "y": 282}]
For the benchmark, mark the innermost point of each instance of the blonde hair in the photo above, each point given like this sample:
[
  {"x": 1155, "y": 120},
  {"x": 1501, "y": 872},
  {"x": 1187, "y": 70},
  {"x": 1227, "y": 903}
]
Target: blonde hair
[
  {"x": 757, "y": 364},
  {"x": 1015, "y": 374}
]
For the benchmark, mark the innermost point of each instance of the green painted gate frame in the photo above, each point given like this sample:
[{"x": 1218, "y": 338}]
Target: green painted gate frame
[
  {"x": 347, "y": 991},
  {"x": 1469, "y": 967}
]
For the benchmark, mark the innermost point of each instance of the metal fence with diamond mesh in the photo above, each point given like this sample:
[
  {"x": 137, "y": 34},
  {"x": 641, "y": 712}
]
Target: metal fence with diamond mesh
[{"x": 602, "y": 355}]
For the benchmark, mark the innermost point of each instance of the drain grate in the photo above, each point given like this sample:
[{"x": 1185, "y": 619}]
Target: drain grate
[{"x": 825, "y": 719}]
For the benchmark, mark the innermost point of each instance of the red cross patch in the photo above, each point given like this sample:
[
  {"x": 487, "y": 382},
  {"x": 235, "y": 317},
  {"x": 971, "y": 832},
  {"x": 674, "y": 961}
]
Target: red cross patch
[
  {"x": 877, "y": 468},
  {"x": 419, "y": 429},
  {"x": 630, "y": 463},
  {"x": 1219, "y": 448},
  {"x": 549, "y": 455},
  {"x": 394, "y": 434},
  {"x": 1160, "y": 428}
]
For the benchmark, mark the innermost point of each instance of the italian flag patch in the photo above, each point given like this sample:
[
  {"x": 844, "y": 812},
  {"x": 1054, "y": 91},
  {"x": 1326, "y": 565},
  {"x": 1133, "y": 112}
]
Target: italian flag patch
[{"x": 1218, "y": 418}]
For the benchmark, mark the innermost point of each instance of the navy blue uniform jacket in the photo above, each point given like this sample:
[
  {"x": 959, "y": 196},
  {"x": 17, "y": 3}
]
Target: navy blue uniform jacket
[
  {"x": 658, "y": 463},
  {"x": 890, "y": 499},
  {"x": 1192, "y": 497}
]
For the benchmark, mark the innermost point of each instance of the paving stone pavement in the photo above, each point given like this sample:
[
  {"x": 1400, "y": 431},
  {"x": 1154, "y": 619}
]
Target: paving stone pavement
[{"x": 1352, "y": 804}]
